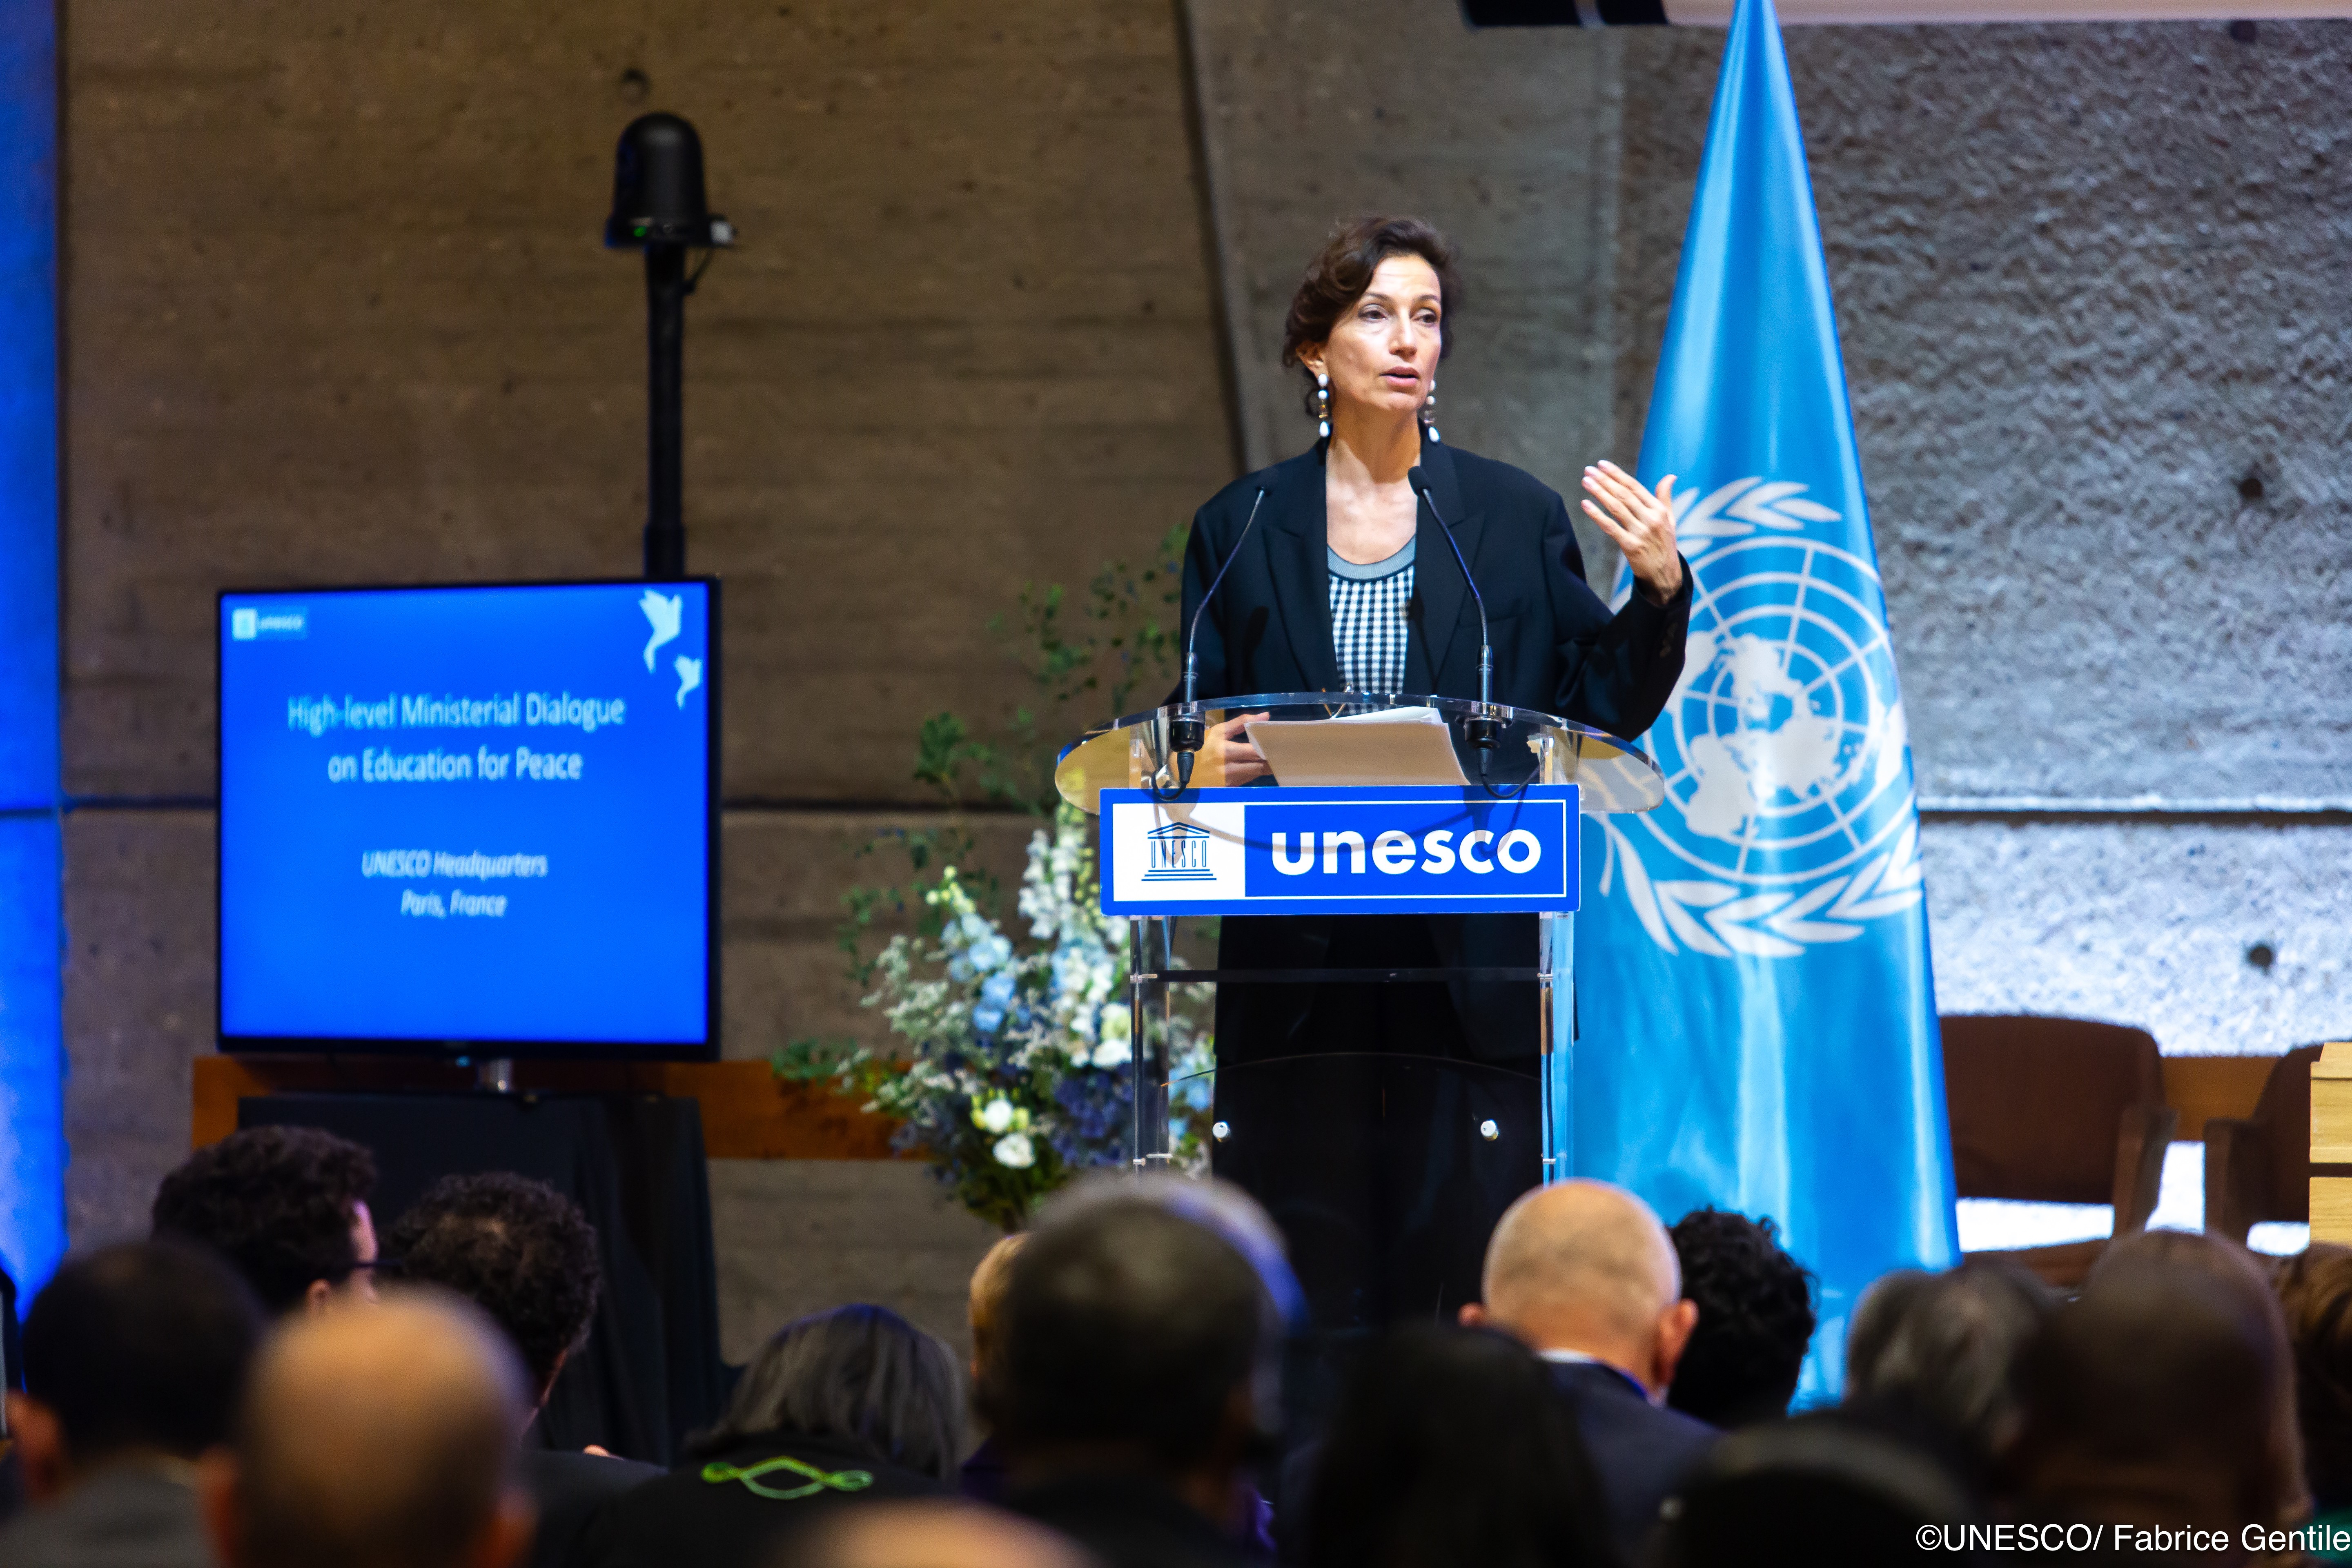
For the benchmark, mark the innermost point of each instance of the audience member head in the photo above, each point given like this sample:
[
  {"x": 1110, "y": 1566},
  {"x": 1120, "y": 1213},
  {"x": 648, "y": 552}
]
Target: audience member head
[
  {"x": 1132, "y": 1338},
  {"x": 2163, "y": 1394},
  {"x": 1586, "y": 1267},
  {"x": 861, "y": 1374},
  {"x": 377, "y": 1439},
  {"x": 1825, "y": 1487},
  {"x": 1755, "y": 1320},
  {"x": 1942, "y": 1349},
  {"x": 287, "y": 1205},
  {"x": 927, "y": 1535},
  {"x": 135, "y": 1352},
  {"x": 2314, "y": 1291},
  {"x": 1452, "y": 1446},
  {"x": 986, "y": 1306},
  {"x": 517, "y": 1248}
]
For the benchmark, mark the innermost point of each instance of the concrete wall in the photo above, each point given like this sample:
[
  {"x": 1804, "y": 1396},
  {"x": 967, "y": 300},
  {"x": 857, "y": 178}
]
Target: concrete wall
[{"x": 337, "y": 310}]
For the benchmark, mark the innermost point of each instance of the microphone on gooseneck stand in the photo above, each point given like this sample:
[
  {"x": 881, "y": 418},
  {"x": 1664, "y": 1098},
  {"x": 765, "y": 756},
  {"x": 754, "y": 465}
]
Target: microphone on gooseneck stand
[
  {"x": 1481, "y": 728},
  {"x": 1186, "y": 731}
]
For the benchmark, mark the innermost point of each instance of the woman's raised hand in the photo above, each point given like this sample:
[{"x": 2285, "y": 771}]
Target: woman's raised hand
[
  {"x": 1231, "y": 759},
  {"x": 1640, "y": 524}
]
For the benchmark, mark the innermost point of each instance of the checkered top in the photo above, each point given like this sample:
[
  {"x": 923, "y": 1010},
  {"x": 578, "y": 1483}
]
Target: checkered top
[{"x": 1369, "y": 619}]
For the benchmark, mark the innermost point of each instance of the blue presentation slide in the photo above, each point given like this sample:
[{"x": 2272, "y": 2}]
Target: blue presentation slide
[{"x": 466, "y": 814}]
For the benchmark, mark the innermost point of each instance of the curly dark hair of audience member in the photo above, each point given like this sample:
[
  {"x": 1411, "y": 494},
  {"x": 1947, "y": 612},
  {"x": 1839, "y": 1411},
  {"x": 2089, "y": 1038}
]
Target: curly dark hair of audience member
[
  {"x": 862, "y": 1374},
  {"x": 1942, "y": 1349},
  {"x": 277, "y": 1202},
  {"x": 1343, "y": 269},
  {"x": 1128, "y": 1330},
  {"x": 142, "y": 1346},
  {"x": 2314, "y": 1291},
  {"x": 517, "y": 1248},
  {"x": 1755, "y": 1320},
  {"x": 1452, "y": 1446}
]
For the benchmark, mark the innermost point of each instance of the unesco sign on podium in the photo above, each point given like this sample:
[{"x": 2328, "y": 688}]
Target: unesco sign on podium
[{"x": 1339, "y": 851}]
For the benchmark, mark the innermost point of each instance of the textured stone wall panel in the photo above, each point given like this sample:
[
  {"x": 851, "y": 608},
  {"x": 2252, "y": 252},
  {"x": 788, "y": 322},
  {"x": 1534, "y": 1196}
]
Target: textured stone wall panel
[
  {"x": 338, "y": 311},
  {"x": 2094, "y": 288},
  {"x": 2147, "y": 924},
  {"x": 138, "y": 1008},
  {"x": 795, "y": 1237}
]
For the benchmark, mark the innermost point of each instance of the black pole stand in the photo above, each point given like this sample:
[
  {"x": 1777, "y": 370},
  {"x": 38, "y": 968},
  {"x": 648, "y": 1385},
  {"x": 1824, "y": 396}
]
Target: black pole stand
[{"x": 666, "y": 291}]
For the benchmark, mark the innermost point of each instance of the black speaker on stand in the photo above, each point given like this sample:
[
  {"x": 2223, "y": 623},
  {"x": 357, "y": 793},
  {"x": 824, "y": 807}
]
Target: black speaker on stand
[{"x": 659, "y": 207}]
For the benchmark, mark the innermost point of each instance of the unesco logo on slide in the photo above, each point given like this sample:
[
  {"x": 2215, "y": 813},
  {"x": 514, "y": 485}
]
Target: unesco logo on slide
[{"x": 247, "y": 624}]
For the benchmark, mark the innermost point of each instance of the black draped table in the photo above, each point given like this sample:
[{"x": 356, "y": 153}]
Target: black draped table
[{"x": 650, "y": 1371}]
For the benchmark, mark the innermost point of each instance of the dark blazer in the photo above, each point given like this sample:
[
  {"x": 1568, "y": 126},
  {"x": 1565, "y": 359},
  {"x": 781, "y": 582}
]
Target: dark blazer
[
  {"x": 569, "y": 1487},
  {"x": 1557, "y": 649},
  {"x": 1130, "y": 1521},
  {"x": 1641, "y": 1453},
  {"x": 679, "y": 1517}
]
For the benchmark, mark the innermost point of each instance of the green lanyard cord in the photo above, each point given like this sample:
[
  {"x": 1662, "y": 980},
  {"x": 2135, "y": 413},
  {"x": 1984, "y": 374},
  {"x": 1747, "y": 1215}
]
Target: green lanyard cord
[{"x": 818, "y": 1480}]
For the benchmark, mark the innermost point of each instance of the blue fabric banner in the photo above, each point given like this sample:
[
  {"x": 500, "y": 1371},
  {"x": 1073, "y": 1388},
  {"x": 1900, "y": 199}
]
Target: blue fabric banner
[
  {"x": 1758, "y": 1020},
  {"x": 32, "y": 1043}
]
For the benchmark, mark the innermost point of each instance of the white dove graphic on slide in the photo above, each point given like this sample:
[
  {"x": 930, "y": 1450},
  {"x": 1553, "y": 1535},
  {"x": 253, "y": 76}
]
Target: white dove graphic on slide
[
  {"x": 689, "y": 676},
  {"x": 664, "y": 610}
]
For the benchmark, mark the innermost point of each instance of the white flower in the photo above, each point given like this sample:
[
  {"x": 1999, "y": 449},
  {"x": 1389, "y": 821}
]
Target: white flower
[
  {"x": 1113, "y": 1053},
  {"x": 1014, "y": 1150},
  {"x": 996, "y": 1116},
  {"x": 1117, "y": 1026}
]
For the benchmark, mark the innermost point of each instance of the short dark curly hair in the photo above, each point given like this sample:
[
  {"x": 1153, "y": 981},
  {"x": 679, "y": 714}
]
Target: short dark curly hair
[
  {"x": 517, "y": 1248},
  {"x": 1343, "y": 269},
  {"x": 1755, "y": 1320},
  {"x": 277, "y": 1202}
]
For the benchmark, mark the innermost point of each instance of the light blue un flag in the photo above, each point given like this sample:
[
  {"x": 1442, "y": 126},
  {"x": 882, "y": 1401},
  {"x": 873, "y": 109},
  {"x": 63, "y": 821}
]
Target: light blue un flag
[{"x": 1759, "y": 1022}]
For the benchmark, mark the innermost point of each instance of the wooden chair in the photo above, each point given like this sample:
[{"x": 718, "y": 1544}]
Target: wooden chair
[
  {"x": 2057, "y": 1110},
  {"x": 2258, "y": 1167}
]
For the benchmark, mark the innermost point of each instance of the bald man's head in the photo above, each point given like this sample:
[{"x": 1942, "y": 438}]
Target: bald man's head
[
  {"x": 377, "y": 1439},
  {"x": 1586, "y": 1267}
]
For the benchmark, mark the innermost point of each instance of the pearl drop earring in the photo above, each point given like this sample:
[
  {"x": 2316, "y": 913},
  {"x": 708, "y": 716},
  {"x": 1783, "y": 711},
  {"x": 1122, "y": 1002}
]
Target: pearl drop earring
[
  {"x": 1322, "y": 403},
  {"x": 1429, "y": 415}
]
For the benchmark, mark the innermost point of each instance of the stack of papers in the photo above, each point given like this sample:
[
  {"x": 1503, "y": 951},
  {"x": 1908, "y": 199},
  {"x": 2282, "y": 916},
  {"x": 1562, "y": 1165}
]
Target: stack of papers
[{"x": 1391, "y": 746}]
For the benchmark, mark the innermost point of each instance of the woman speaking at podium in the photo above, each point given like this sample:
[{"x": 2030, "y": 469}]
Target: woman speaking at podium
[{"x": 1346, "y": 582}]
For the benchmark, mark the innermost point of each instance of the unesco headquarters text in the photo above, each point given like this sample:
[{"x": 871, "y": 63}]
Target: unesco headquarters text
[{"x": 2259, "y": 1539}]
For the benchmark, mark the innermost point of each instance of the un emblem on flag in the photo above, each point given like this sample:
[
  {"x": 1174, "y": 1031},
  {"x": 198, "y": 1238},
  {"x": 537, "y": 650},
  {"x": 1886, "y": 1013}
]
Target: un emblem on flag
[{"x": 1789, "y": 818}]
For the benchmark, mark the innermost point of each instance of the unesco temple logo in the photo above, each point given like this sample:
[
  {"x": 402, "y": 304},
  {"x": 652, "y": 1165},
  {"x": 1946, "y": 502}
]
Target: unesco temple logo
[
  {"x": 1179, "y": 852},
  {"x": 1789, "y": 818}
]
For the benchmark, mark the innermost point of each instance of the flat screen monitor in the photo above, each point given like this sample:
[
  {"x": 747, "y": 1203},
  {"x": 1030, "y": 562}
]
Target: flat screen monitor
[{"x": 469, "y": 821}]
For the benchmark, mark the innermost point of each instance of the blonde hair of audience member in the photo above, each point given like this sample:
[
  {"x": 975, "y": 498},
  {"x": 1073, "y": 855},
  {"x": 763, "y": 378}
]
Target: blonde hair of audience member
[
  {"x": 1585, "y": 1267},
  {"x": 381, "y": 1439},
  {"x": 930, "y": 1535},
  {"x": 989, "y": 1283}
]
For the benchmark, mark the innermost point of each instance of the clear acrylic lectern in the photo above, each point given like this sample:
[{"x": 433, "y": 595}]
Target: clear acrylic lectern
[{"x": 1610, "y": 774}]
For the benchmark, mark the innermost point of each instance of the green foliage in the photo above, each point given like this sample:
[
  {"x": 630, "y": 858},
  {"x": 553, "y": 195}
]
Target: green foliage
[
  {"x": 1009, "y": 1067},
  {"x": 1084, "y": 659}
]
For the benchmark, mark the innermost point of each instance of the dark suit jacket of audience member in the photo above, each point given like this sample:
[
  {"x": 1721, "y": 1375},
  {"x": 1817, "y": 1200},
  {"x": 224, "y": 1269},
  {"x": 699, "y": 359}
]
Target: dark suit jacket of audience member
[
  {"x": 1640, "y": 1452},
  {"x": 569, "y": 1487},
  {"x": 679, "y": 1517},
  {"x": 127, "y": 1515},
  {"x": 1131, "y": 1521}
]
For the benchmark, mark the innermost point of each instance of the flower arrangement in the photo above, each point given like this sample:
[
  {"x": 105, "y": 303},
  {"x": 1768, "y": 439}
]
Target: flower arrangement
[
  {"x": 1015, "y": 1065},
  {"x": 1010, "y": 1064}
]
